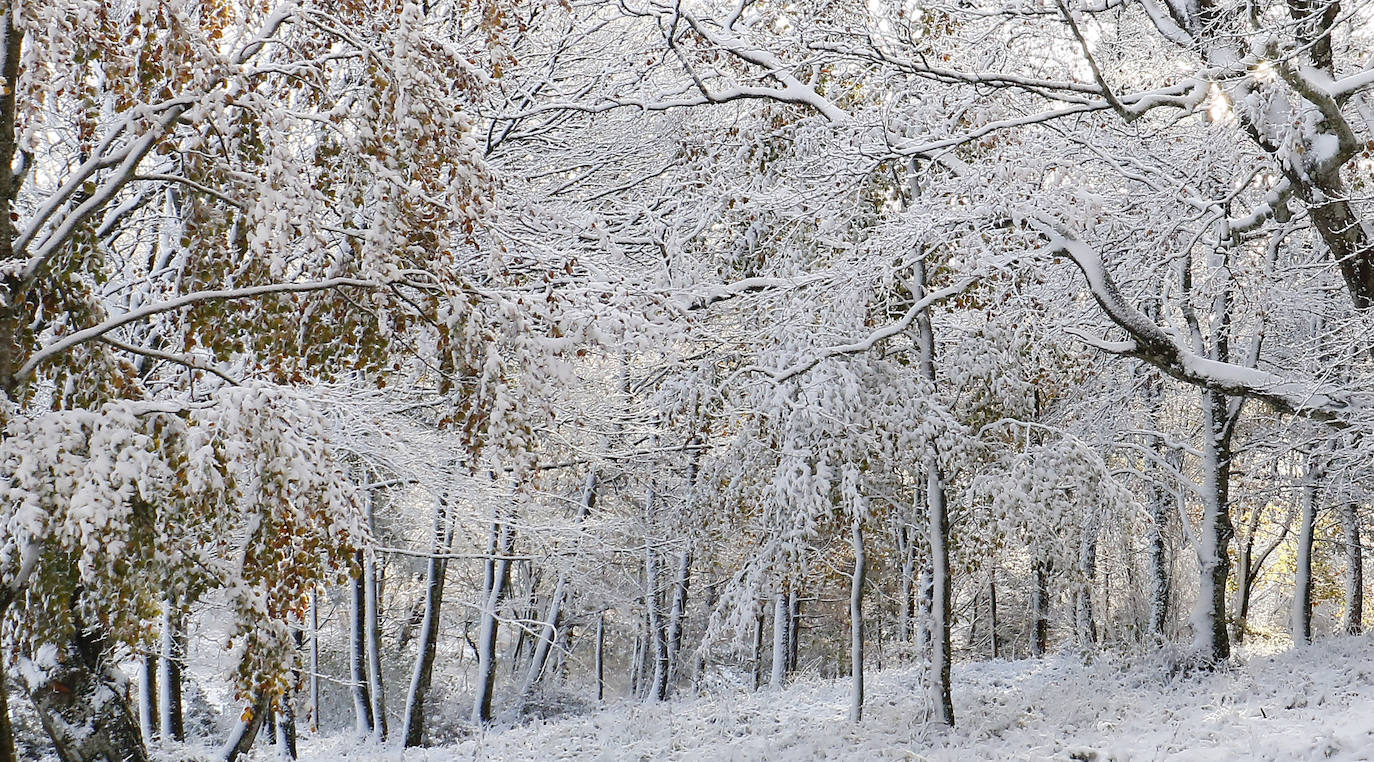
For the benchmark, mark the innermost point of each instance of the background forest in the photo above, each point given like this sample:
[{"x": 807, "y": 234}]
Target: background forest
[{"x": 394, "y": 369}]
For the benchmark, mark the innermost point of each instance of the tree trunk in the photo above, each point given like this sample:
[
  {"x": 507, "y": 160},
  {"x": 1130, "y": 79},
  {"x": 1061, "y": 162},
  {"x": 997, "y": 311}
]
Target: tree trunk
[
  {"x": 758, "y": 648},
  {"x": 374, "y": 647},
  {"x": 77, "y": 700},
  {"x": 677, "y": 615},
  {"x": 1159, "y": 563},
  {"x": 171, "y": 658},
  {"x": 656, "y": 643},
  {"x": 1214, "y": 536},
  {"x": 147, "y": 697},
  {"x": 992, "y": 611},
  {"x": 286, "y": 730},
  {"x": 1302, "y": 582},
  {"x": 245, "y": 731},
  {"x": 357, "y": 632},
  {"x": 601, "y": 656},
  {"x": 1087, "y": 569},
  {"x": 938, "y": 529},
  {"x": 1040, "y": 606},
  {"x": 856, "y": 623},
  {"x": 549, "y": 628},
  {"x": 500, "y": 544},
  {"x": 780, "y": 627},
  {"x": 793, "y": 629},
  {"x": 435, "y": 574},
  {"x": 314, "y": 687},
  {"x": 7, "y": 749},
  {"x": 1354, "y": 570},
  {"x": 906, "y": 583}
]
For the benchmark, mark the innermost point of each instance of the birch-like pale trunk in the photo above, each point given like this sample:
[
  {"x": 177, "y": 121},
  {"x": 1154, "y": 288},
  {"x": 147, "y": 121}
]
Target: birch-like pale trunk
[
  {"x": 435, "y": 574},
  {"x": 856, "y": 623}
]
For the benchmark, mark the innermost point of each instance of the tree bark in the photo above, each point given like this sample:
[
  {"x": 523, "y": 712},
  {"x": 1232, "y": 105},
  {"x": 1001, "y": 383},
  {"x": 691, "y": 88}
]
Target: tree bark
[
  {"x": 1087, "y": 569},
  {"x": 147, "y": 697},
  {"x": 376, "y": 690},
  {"x": 1040, "y": 606},
  {"x": 549, "y": 628},
  {"x": 1214, "y": 536},
  {"x": 80, "y": 707},
  {"x": 170, "y": 660},
  {"x": 7, "y": 749},
  {"x": 357, "y": 632},
  {"x": 780, "y": 627},
  {"x": 1353, "y": 623},
  {"x": 246, "y": 730},
  {"x": 500, "y": 544},
  {"x": 677, "y": 615},
  {"x": 601, "y": 656},
  {"x": 435, "y": 574},
  {"x": 314, "y": 682},
  {"x": 1302, "y": 582},
  {"x": 856, "y": 623}
]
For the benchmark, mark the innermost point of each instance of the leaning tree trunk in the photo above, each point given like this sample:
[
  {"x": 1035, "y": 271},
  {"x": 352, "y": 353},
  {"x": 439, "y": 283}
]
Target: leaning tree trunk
[
  {"x": 856, "y": 623},
  {"x": 548, "y": 630},
  {"x": 500, "y": 544},
  {"x": 245, "y": 730},
  {"x": 81, "y": 707},
  {"x": 414, "y": 731},
  {"x": 1354, "y": 569}
]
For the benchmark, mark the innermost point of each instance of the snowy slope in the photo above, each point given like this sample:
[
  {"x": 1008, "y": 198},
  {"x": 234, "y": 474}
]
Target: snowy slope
[{"x": 1314, "y": 703}]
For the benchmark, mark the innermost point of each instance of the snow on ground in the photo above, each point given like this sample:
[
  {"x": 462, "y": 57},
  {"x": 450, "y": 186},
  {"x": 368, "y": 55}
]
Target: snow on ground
[{"x": 1304, "y": 704}]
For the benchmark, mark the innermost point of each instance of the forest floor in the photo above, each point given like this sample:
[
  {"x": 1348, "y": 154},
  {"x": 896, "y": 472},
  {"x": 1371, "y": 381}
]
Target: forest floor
[{"x": 1301, "y": 704}]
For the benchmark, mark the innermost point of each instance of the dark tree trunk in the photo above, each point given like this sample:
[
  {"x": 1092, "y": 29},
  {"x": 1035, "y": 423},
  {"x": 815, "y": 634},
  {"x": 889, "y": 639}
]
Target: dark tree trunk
[
  {"x": 362, "y": 702},
  {"x": 1040, "y": 606},
  {"x": 1354, "y": 570},
  {"x": 429, "y": 629},
  {"x": 82, "y": 709},
  {"x": 246, "y": 730},
  {"x": 7, "y": 750},
  {"x": 170, "y": 662},
  {"x": 601, "y": 656}
]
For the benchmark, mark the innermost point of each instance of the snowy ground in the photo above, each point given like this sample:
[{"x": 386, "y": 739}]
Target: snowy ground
[{"x": 1314, "y": 703}]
